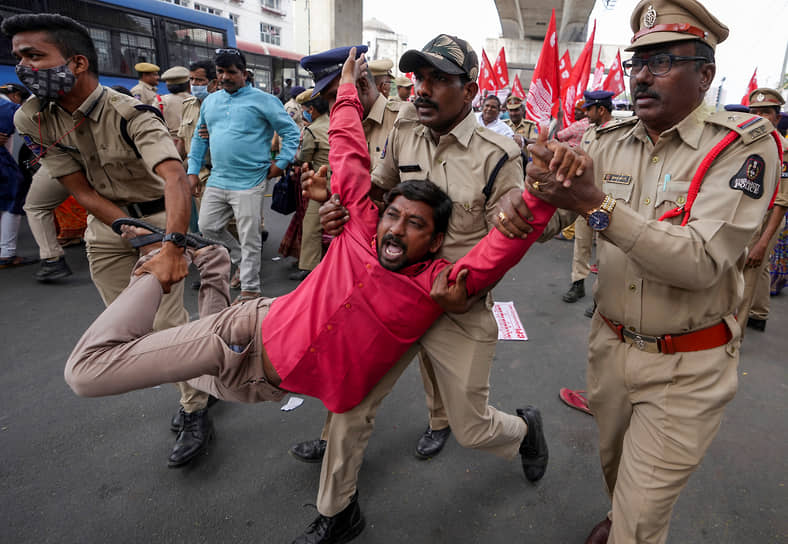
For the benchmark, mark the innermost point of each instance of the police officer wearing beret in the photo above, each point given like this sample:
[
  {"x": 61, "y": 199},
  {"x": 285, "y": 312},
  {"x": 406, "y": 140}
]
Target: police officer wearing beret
[
  {"x": 436, "y": 137},
  {"x": 116, "y": 157},
  {"x": 146, "y": 88},
  {"x": 664, "y": 343},
  {"x": 754, "y": 307}
]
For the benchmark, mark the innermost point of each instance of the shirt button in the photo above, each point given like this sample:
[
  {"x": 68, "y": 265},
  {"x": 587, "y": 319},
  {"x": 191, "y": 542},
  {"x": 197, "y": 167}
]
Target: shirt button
[
  {"x": 311, "y": 350},
  {"x": 361, "y": 284},
  {"x": 681, "y": 199},
  {"x": 347, "y": 305},
  {"x": 368, "y": 266},
  {"x": 655, "y": 159},
  {"x": 647, "y": 201},
  {"x": 329, "y": 327},
  {"x": 632, "y": 286}
]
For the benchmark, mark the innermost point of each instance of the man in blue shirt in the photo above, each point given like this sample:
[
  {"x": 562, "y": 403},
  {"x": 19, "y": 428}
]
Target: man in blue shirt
[{"x": 241, "y": 121}]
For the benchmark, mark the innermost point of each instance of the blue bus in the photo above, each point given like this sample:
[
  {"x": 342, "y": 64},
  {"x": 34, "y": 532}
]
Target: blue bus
[{"x": 129, "y": 31}]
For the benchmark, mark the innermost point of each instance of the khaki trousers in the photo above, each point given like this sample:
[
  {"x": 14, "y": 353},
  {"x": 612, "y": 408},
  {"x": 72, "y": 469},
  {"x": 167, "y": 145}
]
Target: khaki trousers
[
  {"x": 657, "y": 415},
  {"x": 311, "y": 238},
  {"x": 757, "y": 281},
  {"x": 111, "y": 261},
  {"x": 220, "y": 353},
  {"x": 46, "y": 193},
  {"x": 460, "y": 350},
  {"x": 584, "y": 238}
]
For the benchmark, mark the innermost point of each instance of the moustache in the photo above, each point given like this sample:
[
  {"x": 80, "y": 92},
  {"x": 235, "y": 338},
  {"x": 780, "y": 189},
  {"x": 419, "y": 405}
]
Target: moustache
[
  {"x": 425, "y": 103},
  {"x": 643, "y": 91}
]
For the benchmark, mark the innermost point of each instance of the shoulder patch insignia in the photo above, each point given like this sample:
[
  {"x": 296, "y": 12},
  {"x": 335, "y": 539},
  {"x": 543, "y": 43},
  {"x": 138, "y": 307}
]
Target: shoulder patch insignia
[
  {"x": 784, "y": 171},
  {"x": 749, "y": 178},
  {"x": 617, "y": 178}
]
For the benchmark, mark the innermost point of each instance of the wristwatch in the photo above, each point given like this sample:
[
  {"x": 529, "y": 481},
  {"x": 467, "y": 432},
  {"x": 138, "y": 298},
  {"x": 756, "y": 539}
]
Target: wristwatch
[
  {"x": 599, "y": 218},
  {"x": 177, "y": 238}
]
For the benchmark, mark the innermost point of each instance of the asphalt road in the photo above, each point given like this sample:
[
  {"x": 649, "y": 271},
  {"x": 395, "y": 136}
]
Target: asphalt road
[{"x": 76, "y": 470}]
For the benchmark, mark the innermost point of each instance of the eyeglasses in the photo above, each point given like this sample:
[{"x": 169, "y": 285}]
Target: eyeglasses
[
  {"x": 228, "y": 52},
  {"x": 658, "y": 65}
]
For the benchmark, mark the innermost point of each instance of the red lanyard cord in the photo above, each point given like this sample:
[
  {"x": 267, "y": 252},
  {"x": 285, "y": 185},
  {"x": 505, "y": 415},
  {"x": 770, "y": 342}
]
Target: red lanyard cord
[{"x": 41, "y": 138}]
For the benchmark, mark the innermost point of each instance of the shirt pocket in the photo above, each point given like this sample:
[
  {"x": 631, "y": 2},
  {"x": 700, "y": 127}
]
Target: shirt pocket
[
  {"x": 121, "y": 164},
  {"x": 468, "y": 220},
  {"x": 619, "y": 191},
  {"x": 673, "y": 196}
]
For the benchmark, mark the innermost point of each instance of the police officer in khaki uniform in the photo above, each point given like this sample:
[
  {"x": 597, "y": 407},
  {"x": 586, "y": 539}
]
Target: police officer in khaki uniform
[
  {"x": 522, "y": 127},
  {"x": 445, "y": 145},
  {"x": 754, "y": 307},
  {"x": 171, "y": 105},
  {"x": 404, "y": 88},
  {"x": 117, "y": 159},
  {"x": 313, "y": 151},
  {"x": 145, "y": 90},
  {"x": 664, "y": 343},
  {"x": 381, "y": 71}
]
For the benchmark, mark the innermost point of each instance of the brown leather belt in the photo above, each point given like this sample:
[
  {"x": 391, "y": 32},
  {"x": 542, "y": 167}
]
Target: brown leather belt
[{"x": 708, "y": 338}]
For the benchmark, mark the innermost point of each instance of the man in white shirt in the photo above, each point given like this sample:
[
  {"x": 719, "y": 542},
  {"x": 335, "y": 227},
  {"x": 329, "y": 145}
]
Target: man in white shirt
[{"x": 488, "y": 117}]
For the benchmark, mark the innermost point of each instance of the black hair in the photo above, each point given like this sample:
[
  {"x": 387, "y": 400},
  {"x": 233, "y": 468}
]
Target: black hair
[
  {"x": 492, "y": 97},
  {"x": 230, "y": 57},
  {"x": 70, "y": 37},
  {"x": 429, "y": 193},
  {"x": 176, "y": 88},
  {"x": 319, "y": 103},
  {"x": 702, "y": 49},
  {"x": 208, "y": 65},
  {"x": 122, "y": 90}
]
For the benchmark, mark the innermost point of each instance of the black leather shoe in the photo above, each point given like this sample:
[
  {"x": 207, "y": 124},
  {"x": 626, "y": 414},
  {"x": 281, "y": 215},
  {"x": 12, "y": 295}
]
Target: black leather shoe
[
  {"x": 589, "y": 313},
  {"x": 432, "y": 442},
  {"x": 756, "y": 324},
  {"x": 576, "y": 292},
  {"x": 533, "y": 449},
  {"x": 298, "y": 275},
  {"x": 310, "y": 451},
  {"x": 599, "y": 533},
  {"x": 193, "y": 438},
  {"x": 177, "y": 420},
  {"x": 53, "y": 271},
  {"x": 338, "y": 529}
]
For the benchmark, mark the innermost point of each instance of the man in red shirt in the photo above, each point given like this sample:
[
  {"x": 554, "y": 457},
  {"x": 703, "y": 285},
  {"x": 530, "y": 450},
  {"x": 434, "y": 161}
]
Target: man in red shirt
[{"x": 384, "y": 286}]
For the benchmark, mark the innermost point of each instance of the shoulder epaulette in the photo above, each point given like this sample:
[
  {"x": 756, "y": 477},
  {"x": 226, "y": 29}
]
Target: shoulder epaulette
[
  {"x": 129, "y": 107},
  {"x": 749, "y": 126},
  {"x": 407, "y": 114},
  {"x": 394, "y": 105},
  {"x": 617, "y": 124},
  {"x": 505, "y": 143}
]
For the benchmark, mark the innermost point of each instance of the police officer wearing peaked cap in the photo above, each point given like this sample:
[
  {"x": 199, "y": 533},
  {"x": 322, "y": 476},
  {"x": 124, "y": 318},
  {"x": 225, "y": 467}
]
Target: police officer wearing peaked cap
[
  {"x": 664, "y": 342},
  {"x": 145, "y": 90},
  {"x": 381, "y": 71},
  {"x": 327, "y": 65}
]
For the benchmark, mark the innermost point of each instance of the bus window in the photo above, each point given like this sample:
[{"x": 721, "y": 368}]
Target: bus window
[{"x": 185, "y": 43}]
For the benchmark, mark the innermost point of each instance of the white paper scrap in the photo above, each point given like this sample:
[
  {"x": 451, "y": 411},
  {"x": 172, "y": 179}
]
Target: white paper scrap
[
  {"x": 292, "y": 404},
  {"x": 509, "y": 325}
]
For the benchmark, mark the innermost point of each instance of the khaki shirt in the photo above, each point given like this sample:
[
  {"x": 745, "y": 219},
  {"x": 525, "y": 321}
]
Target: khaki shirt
[
  {"x": 190, "y": 114},
  {"x": 782, "y": 194},
  {"x": 460, "y": 164},
  {"x": 314, "y": 143},
  {"x": 97, "y": 146},
  {"x": 527, "y": 129},
  {"x": 144, "y": 93},
  {"x": 293, "y": 109},
  {"x": 172, "y": 108},
  {"x": 657, "y": 277},
  {"x": 377, "y": 126}
]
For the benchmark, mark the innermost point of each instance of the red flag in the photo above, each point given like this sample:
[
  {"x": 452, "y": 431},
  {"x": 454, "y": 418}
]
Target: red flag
[
  {"x": 543, "y": 92},
  {"x": 564, "y": 70},
  {"x": 517, "y": 87},
  {"x": 486, "y": 77},
  {"x": 615, "y": 77},
  {"x": 599, "y": 73},
  {"x": 751, "y": 86},
  {"x": 578, "y": 80},
  {"x": 412, "y": 79},
  {"x": 501, "y": 70}
]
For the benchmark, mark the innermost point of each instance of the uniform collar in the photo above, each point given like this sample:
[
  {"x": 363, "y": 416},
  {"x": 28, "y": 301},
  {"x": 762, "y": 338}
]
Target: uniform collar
[
  {"x": 688, "y": 129},
  {"x": 94, "y": 103},
  {"x": 462, "y": 132},
  {"x": 378, "y": 109}
]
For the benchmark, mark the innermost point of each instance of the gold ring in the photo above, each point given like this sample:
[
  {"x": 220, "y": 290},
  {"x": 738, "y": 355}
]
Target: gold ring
[
  {"x": 501, "y": 216},
  {"x": 535, "y": 185}
]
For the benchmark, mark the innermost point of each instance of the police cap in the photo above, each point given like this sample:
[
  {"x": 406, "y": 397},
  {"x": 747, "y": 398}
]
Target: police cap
[{"x": 327, "y": 65}]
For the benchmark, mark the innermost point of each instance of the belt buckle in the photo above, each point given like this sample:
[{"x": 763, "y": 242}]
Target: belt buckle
[{"x": 649, "y": 344}]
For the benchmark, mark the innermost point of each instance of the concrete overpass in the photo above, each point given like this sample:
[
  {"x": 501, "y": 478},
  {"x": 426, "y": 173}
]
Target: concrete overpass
[{"x": 528, "y": 19}]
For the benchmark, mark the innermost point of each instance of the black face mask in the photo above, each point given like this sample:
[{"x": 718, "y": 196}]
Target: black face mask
[{"x": 47, "y": 83}]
